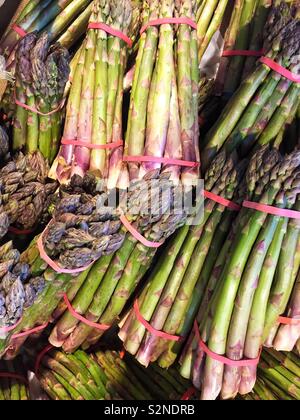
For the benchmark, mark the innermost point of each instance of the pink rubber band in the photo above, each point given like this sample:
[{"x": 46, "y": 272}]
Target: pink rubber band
[
  {"x": 40, "y": 358},
  {"x": 163, "y": 160},
  {"x": 13, "y": 376},
  {"x": 56, "y": 267},
  {"x": 223, "y": 359},
  {"x": 164, "y": 21},
  {"x": 149, "y": 327},
  {"x": 223, "y": 201},
  {"x": 17, "y": 231},
  {"x": 188, "y": 394},
  {"x": 32, "y": 331},
  {"x": 36, "y": 111},
  {"x": 292, "y": 214},
  {"x": 281, "y": 70},
  {"x": 137, "y": 235},
  {"x": 288, "y": 321},
  {"x": 101, "y": 327},
  {"x": 242, "y": 53},
  {"x": 8, "y": 329},
  {"x": 111, "y": 31},
  {"x": 19, "y": 30},
  {"x": 78, "y": 143}
]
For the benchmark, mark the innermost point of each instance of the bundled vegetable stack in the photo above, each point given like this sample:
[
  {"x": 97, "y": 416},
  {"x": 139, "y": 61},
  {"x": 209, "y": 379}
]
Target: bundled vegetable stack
[
  {"x": 266, "y": 99},
  {"x": 278, "y": 377},
  {"x": 175, "y": 286},
  {"x": 253, "y": 282},
  {"x": 94, "y": 109},
  {"x": 105, "y": 375},
  {"x": 41, "y": 75},
  {"x": 13, "y": 382},
  {"x": 25, "y": 193},
  {"x": 171, "y": 135},
  {"x": 64, "y": 21}
]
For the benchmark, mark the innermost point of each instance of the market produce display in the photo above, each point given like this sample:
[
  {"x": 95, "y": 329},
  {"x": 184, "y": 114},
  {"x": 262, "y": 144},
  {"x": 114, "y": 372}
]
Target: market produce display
[{"x": 150, "y": 200}]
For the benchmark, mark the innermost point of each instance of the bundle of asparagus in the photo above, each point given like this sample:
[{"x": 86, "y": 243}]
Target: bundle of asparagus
[
  {"x": 174, "y": 288},
  {"x": 266, "y": 99},
  {"x": 94, "y": 109},
  {"x": 66, "y": 19},
  {"x": 105, "y": 375},
  {"x": 83, "y": 229},
  {"x": 240, "y": 308},
  {"x": 163, "y": 114},
  {"x": 278, "y": 377},
  {"x": 13, "y": 383},
  {"x": 42, "y": 73},
  {"x": 25, "y": 192}
]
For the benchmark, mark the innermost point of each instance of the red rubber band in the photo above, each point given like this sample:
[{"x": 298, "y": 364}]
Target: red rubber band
[
  {"x": 163, "y": 21},
  {"x": 281, "y": 70},
  {"x": 56, "y": 267},
  {"x": 288, "y": 321},
  {"x": 40, "y": 358},
  {"x": 17, "y": 231},
  {"x": 78, "y": 143},
  {"x": 137, "y": 235},
  {"x": 111, "y": 31},
  {"x": 292, "y": 214},
  {"x": 223, "y": 201},
  {"x": 163, "y": 160},
  {"x": 242, "y": 53},
  {"x": 188, "y": 394},
  {"x": 36, "y": 111},
  {"x": 122, "y": 354},
  {"x": 101, "y": 327},
  {"x": 32, "y": 331},
  {"x": 13, "y": 376},
  {"x": 149, "y": 327},
  {"x": 223, "y": 359},
  {"x": 19, "y": 30},
  {"x": 8, "y": 329}
]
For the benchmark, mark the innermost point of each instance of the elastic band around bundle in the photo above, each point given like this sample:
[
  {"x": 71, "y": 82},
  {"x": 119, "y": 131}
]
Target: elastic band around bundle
[
  {"x": 101, "y": 327},
  {"x": 189, "y": 394},
  {"x": 17, "y": 231},
  {"x": 223, "y": 359},
  {"x": 108, "y": 29},
  {"x": 11, "y": 328},
  {"x": 32, "y": 331},
  {"x": 56, "y": 267},
  {"x": 276, "y": 211},
  {"x": 40, "y": 358},
  {"x": 19, "y": 30},
  {"x": 79, "y": 143},
  {"x": 12, "y": 375},
  {"x": 281, "y": 70},
  {"x": 152, "y": 330},
  {"x": 137, "y": 235},
  {"x": 223, "y": 201},
  {"x": 288, "y": 321},
  {"x": 36, "y": 111},
  {"x": 242, "y": 53},
  {"x": 171, "y": 21},
  {"x": 162, "y": 160}
]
